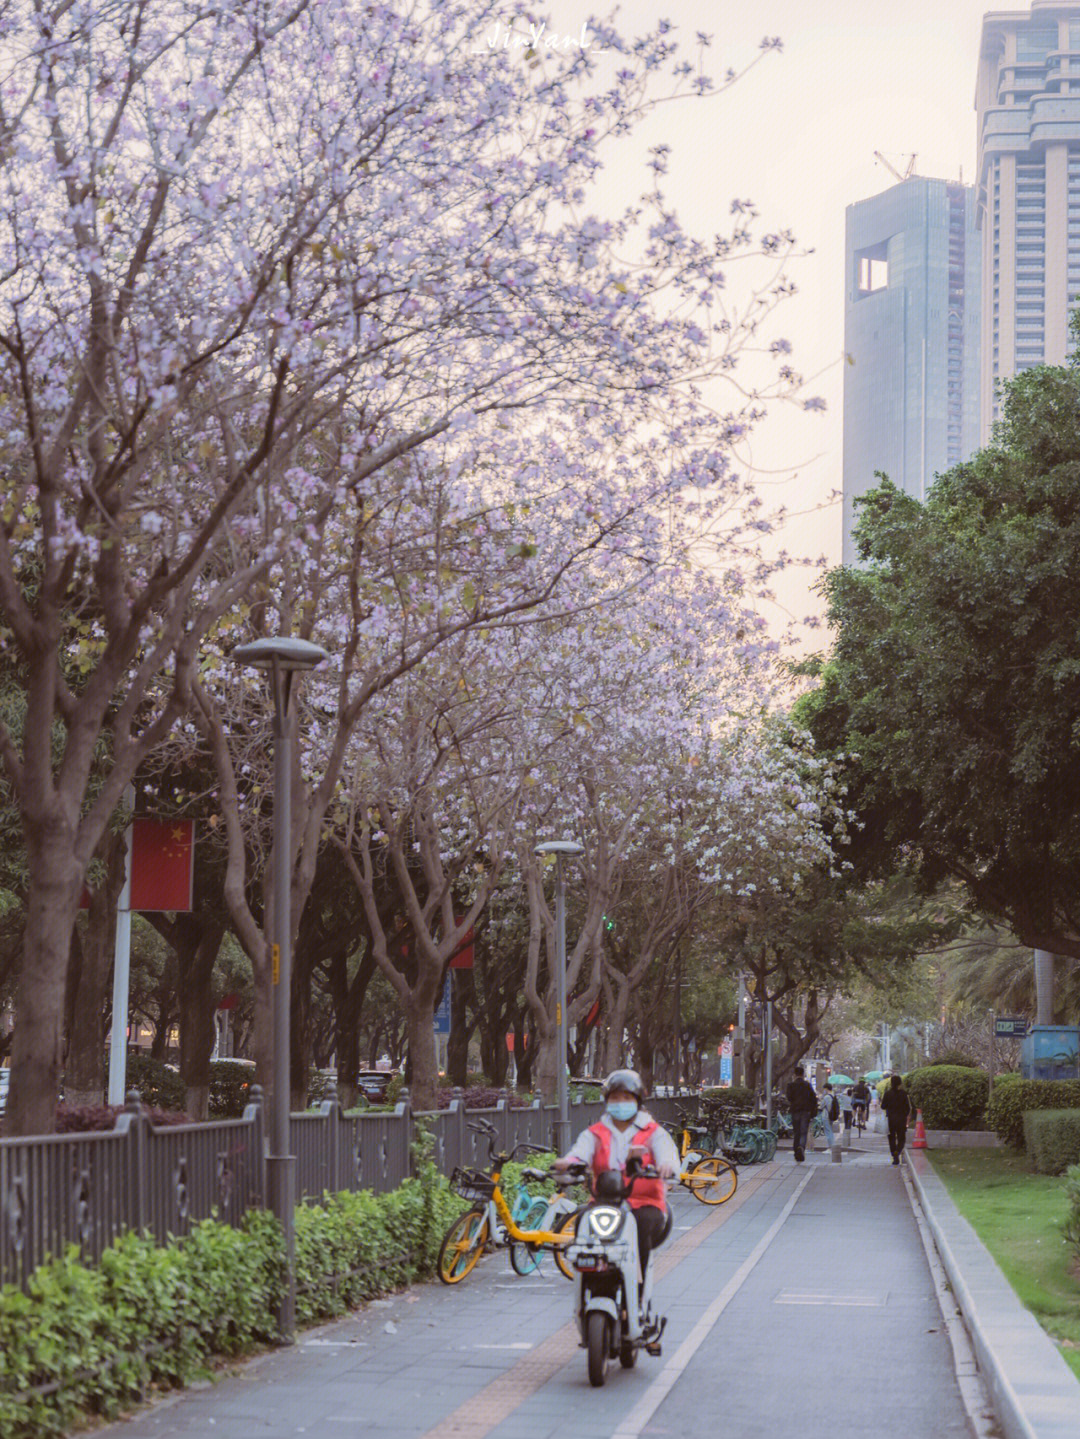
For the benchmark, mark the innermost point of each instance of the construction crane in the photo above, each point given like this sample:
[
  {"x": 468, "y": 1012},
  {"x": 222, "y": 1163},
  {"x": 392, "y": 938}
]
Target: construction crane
[{"x": 909, "y": 171}]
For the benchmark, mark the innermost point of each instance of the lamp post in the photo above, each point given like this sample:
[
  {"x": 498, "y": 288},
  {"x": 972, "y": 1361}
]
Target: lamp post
[
  {"x": 281, "y": 658},
  {"x": 561, "y": 848}
]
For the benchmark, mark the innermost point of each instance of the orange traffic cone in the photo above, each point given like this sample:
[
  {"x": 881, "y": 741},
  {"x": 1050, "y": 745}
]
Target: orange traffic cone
[{"x": 919, "y": 1142}]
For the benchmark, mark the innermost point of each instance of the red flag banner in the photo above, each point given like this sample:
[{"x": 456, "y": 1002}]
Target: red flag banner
[
  {"x": 463, "y": 955},
  {"x": 162, "y": 863}
]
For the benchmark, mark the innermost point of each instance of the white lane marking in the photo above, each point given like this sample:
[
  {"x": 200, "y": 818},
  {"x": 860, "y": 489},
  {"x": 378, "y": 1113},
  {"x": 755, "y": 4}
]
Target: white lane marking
[
  {"x": 663, "y": 1384},
  {"x": 502, "y": 1346},
  {"x": 858, "y": 1300}
]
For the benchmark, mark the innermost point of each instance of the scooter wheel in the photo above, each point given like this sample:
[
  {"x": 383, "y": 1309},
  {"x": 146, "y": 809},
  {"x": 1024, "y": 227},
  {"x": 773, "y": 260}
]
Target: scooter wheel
[
  {"x": 628, "y": 1354},
  {"x": 598, "y": 1344}
]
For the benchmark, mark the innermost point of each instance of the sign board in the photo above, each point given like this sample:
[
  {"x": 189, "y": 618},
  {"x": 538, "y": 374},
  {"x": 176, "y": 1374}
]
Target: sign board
[
  {"x": 1005, "y": 1028},
  {"x": 725, "y": 1049},
  {"x": 442, "y": 1012},
  {"x": 725, "y": 1069}
]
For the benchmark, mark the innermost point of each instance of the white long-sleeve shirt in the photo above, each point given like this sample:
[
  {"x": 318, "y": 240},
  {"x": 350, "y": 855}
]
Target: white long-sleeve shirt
[{"x": 663, "y": 1147}]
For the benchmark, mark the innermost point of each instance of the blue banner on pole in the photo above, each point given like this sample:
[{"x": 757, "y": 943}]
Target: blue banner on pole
[
  {"x": 442, "y": 1011},
  {"x": 725, "y": 1069}
]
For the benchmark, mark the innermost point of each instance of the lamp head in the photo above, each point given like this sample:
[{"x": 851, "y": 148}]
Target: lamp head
[
  {"x": 290, "y": 654},
  {"x": 560, "y": 846}
]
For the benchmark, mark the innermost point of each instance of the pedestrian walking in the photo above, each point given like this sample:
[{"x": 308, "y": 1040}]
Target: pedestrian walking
[
  {"x": 802, "y": 1102},
  {"x": 829, "y": 1110},
  {"x": 847, "y": 1107},
  {"x": 897, "y": 1107}
]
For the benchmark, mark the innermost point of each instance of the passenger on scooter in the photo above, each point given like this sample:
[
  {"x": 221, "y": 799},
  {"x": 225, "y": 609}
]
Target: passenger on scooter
[{"x": 624, "y": 1131}]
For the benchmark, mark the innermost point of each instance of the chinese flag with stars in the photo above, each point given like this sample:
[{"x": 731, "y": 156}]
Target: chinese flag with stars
[{"x": 162, "y": 862}]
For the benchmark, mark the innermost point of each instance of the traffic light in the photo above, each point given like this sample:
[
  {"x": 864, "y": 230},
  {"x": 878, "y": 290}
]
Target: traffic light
[{"x": 609, "y": 924}]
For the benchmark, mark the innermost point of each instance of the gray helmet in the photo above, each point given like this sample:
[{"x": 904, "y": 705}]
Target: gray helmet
[{"x": 627, "y": 1079}]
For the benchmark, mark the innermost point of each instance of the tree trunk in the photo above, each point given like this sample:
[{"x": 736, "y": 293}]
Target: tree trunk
[
  {"x": 423, "y": 1062},
  {"x": 616, "y": 1057},
  {"x": 84, "y": 1071},
  {"x": 457, "y": 1049},
  {"x": 262, "y": 1027},
  {"x": 300, "y": 1036},
  {"x": 56, "y": 881},
  {"x": 348, "y": 1009},
  {"x": 195, "y": 964},
  {"x": 644, "y": 1058}
]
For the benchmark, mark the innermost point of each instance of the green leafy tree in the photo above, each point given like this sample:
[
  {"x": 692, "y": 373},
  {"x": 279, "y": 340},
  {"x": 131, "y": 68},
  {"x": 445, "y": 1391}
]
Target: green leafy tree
[{"x": 954, "y": 686}]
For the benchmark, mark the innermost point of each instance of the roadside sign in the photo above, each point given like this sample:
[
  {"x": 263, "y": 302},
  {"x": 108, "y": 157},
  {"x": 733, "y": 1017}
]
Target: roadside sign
[
  {"x": 1005, "y": 1028},
  {"x": 725, "y": 1069},
  {"x": 442, "y": 1012}
]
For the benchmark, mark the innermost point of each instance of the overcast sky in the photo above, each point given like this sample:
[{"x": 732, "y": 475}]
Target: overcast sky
[{"x": 797, "y": 136}]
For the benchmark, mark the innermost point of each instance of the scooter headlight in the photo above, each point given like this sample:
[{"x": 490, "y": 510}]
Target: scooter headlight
[{"x": 604, "y": 1221}]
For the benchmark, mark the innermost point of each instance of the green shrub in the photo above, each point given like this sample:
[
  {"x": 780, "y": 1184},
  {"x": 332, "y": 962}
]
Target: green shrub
[
  {"x": 1052, "y": 1139},
  {"x": 1013, "y": 1096},
  {"x": 951, "y": 1096},
  {"x": 956, "y": 1056},
  {"x": 91, "y": 1339},
  {"x": 1072, "y": 1219},
  {"x": 735, "y": 1096},
  {"x": 145, "y": 1314},
  {"x": 159, "y": 1086},
  {"x": 230, "y": 1085}
]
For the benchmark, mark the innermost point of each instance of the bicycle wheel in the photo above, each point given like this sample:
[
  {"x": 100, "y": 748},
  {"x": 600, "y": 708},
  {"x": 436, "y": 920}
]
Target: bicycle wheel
[
  {"x": 565, "y": 1222},
  {"x": 770, "y": 1144},
  {"x": 463, "y": 1243},
  {"x": 525, "y": 1258},
  {"x": 712, "y": 1180}
]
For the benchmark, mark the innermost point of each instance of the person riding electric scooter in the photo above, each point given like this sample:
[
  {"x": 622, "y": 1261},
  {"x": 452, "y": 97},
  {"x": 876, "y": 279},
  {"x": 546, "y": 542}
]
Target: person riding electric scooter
[{"x": 629, "y": 1156}]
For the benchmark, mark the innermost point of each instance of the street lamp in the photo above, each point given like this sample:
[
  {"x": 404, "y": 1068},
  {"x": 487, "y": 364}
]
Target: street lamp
[
  {"x": 281, "y": 658},
  {"x": 561, "y": 848}
]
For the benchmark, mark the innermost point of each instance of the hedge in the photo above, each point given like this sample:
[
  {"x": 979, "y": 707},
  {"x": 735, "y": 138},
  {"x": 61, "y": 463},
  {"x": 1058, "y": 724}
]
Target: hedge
[
  {"x": 951, "y": 1096},
  {"x": 1072, "y": 1219},
  {"x": 230, "y": 1083},
  {"x": 1013, "y": 1095},
  {"x": 734, "y": 1096},
  {"x": 1052, "y": 1139},
  {"x": 159, "y": 1086},
  {"x": 88, "y": 1340}
]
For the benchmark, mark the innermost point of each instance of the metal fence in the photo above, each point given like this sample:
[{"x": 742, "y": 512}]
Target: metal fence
[{"x": 86, "y": 1189}]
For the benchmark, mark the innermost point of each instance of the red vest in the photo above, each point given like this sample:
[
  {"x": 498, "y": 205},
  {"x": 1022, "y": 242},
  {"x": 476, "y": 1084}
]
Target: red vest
[{"x": 645, "y": 1191}]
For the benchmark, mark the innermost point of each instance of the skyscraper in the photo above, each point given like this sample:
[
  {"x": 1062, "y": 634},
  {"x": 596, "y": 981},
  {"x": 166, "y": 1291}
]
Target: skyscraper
[
  {"x": 1028, "y": 102},
  {"x": 911, "y": 333}
]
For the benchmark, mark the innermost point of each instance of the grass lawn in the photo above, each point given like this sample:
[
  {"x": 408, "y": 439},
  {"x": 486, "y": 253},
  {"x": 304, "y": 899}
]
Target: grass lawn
[{"x": 1018, "y": 1216}]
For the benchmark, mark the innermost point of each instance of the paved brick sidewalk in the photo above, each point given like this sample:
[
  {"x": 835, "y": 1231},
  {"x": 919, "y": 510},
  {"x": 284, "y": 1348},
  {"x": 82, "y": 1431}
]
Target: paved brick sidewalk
[{"x": 834, "y": 1329}]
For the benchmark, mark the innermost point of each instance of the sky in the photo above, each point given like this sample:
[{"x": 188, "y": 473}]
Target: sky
[{"x": 797, "y": 136}]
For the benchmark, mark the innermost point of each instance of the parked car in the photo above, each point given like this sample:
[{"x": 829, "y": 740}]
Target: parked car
[{"x": 375, "y": 1083}]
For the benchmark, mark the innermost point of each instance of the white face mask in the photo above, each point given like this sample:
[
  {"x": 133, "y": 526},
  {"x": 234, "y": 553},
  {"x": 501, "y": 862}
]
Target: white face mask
[{"x": 622, "y": 1109}]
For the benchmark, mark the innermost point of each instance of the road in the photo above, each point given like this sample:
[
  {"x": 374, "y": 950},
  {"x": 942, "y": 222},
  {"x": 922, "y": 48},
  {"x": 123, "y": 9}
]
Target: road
[{"x": 805, "y": 1305}]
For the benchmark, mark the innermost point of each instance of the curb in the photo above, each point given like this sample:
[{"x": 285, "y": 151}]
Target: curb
[{"x": 1034, "y": 1392}]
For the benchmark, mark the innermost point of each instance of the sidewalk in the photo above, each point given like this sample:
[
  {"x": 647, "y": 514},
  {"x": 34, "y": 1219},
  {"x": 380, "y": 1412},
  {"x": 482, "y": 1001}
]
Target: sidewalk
[{"x": 806, "y": 1300}]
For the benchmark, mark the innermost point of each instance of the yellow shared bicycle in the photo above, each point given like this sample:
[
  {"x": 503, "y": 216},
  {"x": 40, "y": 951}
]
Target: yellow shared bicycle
[
  {"x": 490, "y": 1220},
  {"x": 708, "y": 1175}
]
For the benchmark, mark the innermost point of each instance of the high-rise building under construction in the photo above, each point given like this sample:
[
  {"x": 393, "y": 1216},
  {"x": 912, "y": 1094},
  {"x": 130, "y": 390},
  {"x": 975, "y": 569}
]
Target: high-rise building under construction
[{"x": 911, "y": 335}]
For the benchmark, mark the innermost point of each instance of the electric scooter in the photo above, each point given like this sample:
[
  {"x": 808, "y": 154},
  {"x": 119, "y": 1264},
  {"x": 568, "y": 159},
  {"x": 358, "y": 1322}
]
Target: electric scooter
[{"x": 614, "y": 1312}]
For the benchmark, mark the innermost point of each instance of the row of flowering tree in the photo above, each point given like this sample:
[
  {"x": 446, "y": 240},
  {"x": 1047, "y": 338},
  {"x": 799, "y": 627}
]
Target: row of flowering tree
[{"x": 304, "y": 328}]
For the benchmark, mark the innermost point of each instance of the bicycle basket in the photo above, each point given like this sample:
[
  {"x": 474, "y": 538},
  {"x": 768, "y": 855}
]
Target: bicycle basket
[{"x": 473, "y": 1185}]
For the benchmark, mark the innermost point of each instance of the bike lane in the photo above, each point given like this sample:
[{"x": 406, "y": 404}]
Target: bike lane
[
  {"x": 817, "y": 1312},
  {"x": 806, "y": 1299},
  {"x": 435, "y": 1360}
]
